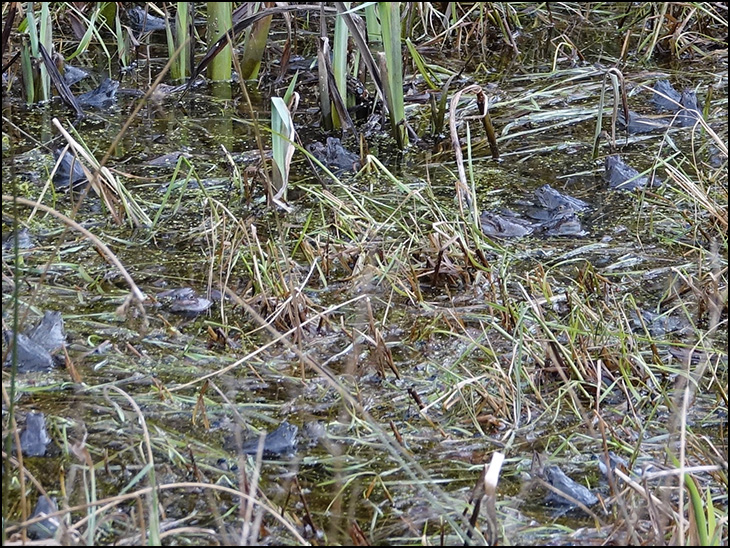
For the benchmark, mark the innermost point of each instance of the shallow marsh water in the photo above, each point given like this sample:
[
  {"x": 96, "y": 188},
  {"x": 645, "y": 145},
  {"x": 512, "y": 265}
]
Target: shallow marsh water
[{"x": 496, "y": 354}]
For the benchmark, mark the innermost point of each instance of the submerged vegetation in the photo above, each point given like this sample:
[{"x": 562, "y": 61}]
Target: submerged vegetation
[{"x": 428, "y": 273}]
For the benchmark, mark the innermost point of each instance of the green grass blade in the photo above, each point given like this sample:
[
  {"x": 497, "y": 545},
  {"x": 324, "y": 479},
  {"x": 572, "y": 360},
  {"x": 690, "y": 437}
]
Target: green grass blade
[
  {"x": 282, "y": 137},
  {"x": 390, "y": 19}
]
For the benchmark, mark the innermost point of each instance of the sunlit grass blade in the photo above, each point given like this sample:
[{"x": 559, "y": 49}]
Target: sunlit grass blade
[
  {"x": 46, "y": 40},
  {"x": 362, "y": 46},
  {"x": 179, "y": 34},
  {"x": 339, "y": 61},
  {"x": 375, "y": 36},
  {"x": 282, "y": 146},
  {"x": 91, "y": 29},
  {"x": 391, "y": 28},
  {"x": 219, "y": 23},
  {"x": 428, "y": 76},
  {"x": 123, "y": 46}
]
